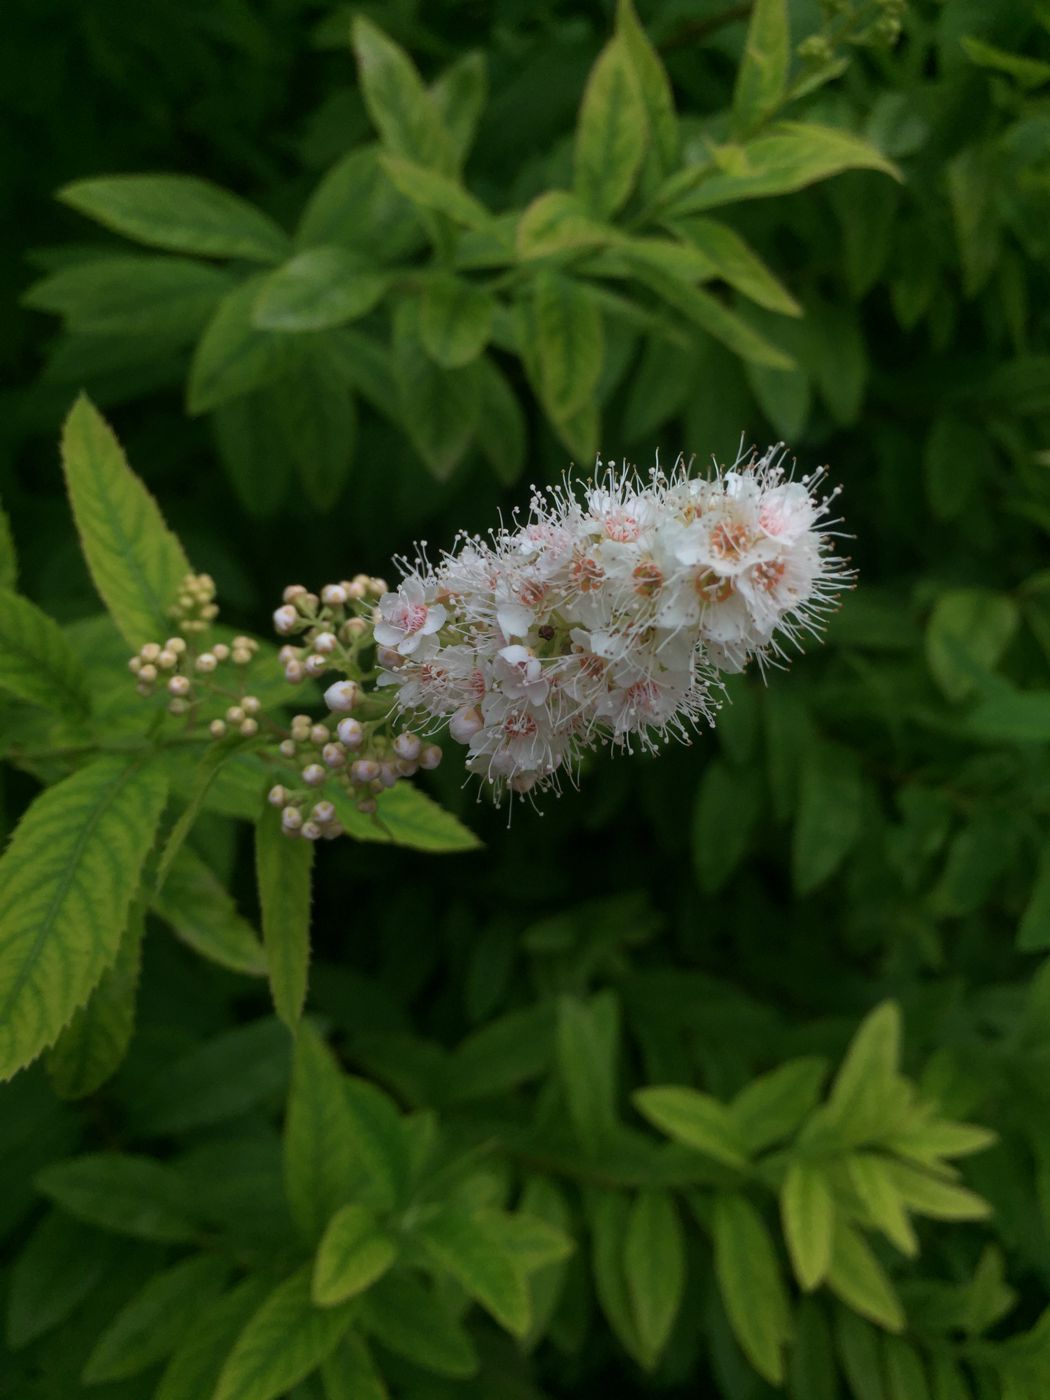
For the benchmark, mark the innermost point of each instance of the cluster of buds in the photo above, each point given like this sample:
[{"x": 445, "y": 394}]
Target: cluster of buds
[
  {"x": 353, "y": 761},
  {"x": 333, "y": 625},
  {"x": 195, "y": 609},
  {"x": 180, "y": 671}
]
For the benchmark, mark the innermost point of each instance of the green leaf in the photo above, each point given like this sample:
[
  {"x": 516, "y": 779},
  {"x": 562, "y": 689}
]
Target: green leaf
[
  {"x": 654, "y": 1264},
  {"x": 791, "y": 156},
  {"x": 772, "y": 1106},
  {"x": 152, "y": 1324},
  {"x": 1013, "y": 716},
  {"x": 356, "y": 206},
  {"x": 973, "y": 178},
  {"x": 459, "y": 95},
  {"x": 705, "y": 310},
  {"x": 414, "y": 1322},
  {"x": 501, "y": 425},
  {"x": 282, "y": 1343},
  {"x": 694, "y": 1119},
  {"x": 1033, "y": 935},
  {"x": 193, "y": 1370},
  {"x": 234, "y": 356},
  {"x": 67, "y": 880},
  {"x": 439, "y": 407},
  {"x": 871, "y": 1178},
  {"x": 736, "y": 262},
  {"x": 401, "y": 109},
  {"x": 352, "y": 1254},
  {"x": 607, "y": 1214},
  {"x": 751, "y": 1285},
  {"x": 587, "y": 1050},
  {"x": 132, "y": 295},
  {"x": 251, "y": 445},
  {"x": 931, "y": 1195},
  {"x": 8, "y": 558},
  {"x": 455, "y": 318},
  {"x": 36, "y": 662},
  {"x": 728, "y": 806},
  {"x": 349, "y": 1373},
  {"x": 808, "y": 1214},
  {"x": 564, "y": 342},
  {"x": 429, "y": 189},
  {"x": 93, "y": 1045},
  {"x": 1028, "y": 72},
  {"x": 129, "y": 1195},
  {"x": 321, "y": 287},
  {"x": 905, "y": 1374},
  {"x": 812, "y": 1373},
  {"x": 202, "y": 913},
  {"x": 283, "y": 869},
  {"x": 319, "y": 1148},
  {"x": 502, "y": 1053},
  {"x": 612, "y": 131},
  {"x": 557, "y": 223},
  {"x": 947, "y": 1378},
  {"x": 866, "y": 1082},
  {"x": 135, "y": 561},
  {"x": 654, "y": 88},
  {"x": 380, "y": 1141},
  {"x": 968, "y": 631},
  {"x": 958, "y": 461},
  {"x": 543, "y": 1200},
  {"x": 462, "y": 1243},
  {"x": 761, "y": 79},
  {"x": 828, "y": 821},
  {"x": 317, "y": 417},
  {"x": 411, "y": 818},
  {"x": 179, "y": 212},
  {"x": 58, "y": 1267},
  {"x": 858, "y": 1347},
  {"x": 858, "y": 1279}
]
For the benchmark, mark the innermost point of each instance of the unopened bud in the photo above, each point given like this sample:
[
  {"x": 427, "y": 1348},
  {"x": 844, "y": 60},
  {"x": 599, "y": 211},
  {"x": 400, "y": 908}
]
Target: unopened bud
[
  {"x": 220, "y": 651},
  {"x": 135, "y": 665},
  {"x": 293, "y": 591},
  {"x": 179, "y": 685},
  {"x": 175, "y": 644},
  {"x": 430, "y": 757},
  {"x": 364, "y": 770},
  {"x": 285, "y": 620},
  {"x": 408, "y": 746},
  {"x": 294, "y": 672},
  {"x": 319, "y": 734},
  {"x": 178, "y": 706},
  {"x": 325, "y": 643},
  {"x": 148, "y": 674},
  {"x": 166, "y": 659},
  {"x": 291, "y": 819},
  {"x": 314, "y": 775},
  {"x": 205, "y": 663},
  {"x": 322, "y": 812},
  {"x": 464, "y": 724},
  {"x": 388, "y": 774},
  {"x": 311, "y": 831},
  {"x": 235, "y": 714},
  {"x": 286, "y": 747},
  {"x": 350, "y": 732},
  {"x": 356, "y": 627},
  {"x": 367, "y": 805},
  {"x": 334, "y": 755},
  {"x": 276, "y": 796},
  {"x": 249, "y": 728},
  {"x": 150, "y": 651},
  {"x": 241, "y": 656},
  {"x": 217, "y": 728},
  {"x": 389, "y": 658},
  {"x": 342, "y": 696},
  {"x": 333, "y": 595},
  {"x": 251, "y": 704},
  {"x": 355, "y": 591},
  {"x": 315, "y": 665}
]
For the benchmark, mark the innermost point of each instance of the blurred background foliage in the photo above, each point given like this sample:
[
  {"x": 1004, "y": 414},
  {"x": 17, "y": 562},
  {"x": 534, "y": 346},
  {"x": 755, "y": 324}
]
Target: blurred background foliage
[{"x": 366, "y": 366}]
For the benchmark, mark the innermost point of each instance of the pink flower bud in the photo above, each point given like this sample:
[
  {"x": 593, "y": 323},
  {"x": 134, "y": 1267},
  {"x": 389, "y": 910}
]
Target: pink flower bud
[
  {"x": 322, "y": 812},
  {"x": 388, "y": 774},
  {"x": 325, "y": 643},
  {"x": 315, "y": 665},
  {"x": 430, "y": 757},
  {"x": 286, "y": 746},
  {"x": 179, "y": 685},
  {"x": 364, "y": 770},
  {"x": 293, "y": 591},
  {"x": 291, "y": 819},
  {"x": 334, "y": 755},
  {"x": 249, "y": 727},
  {"x": 350, "y": 732},
  {"x": 311, "y": 831},
  {"x": 285, "y": 619},
  {"x": 294, "y": 672},
  {"x": 217, "y": 728},
  {"x": 205, "y": 663},
  {"x": 319, "y": 734},
  {"x": 342, "y": 696},
  {"x": 408, "y": 745},
  {"x": 333, "y": 595},
  {"x": 314, "y": 775},
  {"x": 277, "y": 796}
]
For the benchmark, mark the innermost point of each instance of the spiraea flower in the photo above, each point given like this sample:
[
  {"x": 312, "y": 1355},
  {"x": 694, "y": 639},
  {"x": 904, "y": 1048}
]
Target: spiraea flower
[{"x": 609, "y": 615}]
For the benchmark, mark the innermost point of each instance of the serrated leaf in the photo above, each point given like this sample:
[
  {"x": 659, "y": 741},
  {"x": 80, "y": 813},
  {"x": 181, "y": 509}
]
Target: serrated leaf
[
  {"x": 772, "y": 1106},
  {"x": 353, "y": 1253},
  {"x": 587, "y": 1047},
  {"x": 36, "y": 662},
  {"x": 93, "y": 1045},
  {"x": 430, "y": 189},
  {"x": 322, "y": 287},
  {"x": 736, "y": 262},
  {"x": 463, "y": 1243},
  {"x": 761, "y": 79},
  {"x": 694, "y": 1119},
  {"x": 751, "y": 1285},
  {"x": 282, "y": 1343},
  {"x": 654, "y": 1264},
  {"x": 234, "y": 356},
  {"x": 349, "y": 1373},
  {"x": 180, "y": 212},
  {"x": 828, "y": 820},
  {"x": 202, "y": 913},
  {"x": 151, "y": 1324},
  {"x": 193, "y": 1370},
  {"x": 135, "y": 561},
  {"x": 380, "y": 1139},
  {"x": 654, "y": 88},
  {"x": 319, "y": 1151},
  {"x": 283, "y": 869},
  {"x": 129, "y": 1195},
  {"x": 858, "y": 1279},
  {"x": 401, "y": 109},
  {"x": 565, "y": 342},
  {"x": 808, "y": 1214},
  {"x": 67, "y": 880},
  {"x": 135, "y": 295},
  {"x": 455, "y": 318},
  {"x": 791, "y": 156},
  {"x": 611, "y": 133},
  {"x": 414, "y": 1322},
  {"x": 57, "y": 1268}
]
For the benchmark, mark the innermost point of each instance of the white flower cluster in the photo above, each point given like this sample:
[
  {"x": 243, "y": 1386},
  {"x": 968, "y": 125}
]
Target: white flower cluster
[{"x": 608, "y": 615}]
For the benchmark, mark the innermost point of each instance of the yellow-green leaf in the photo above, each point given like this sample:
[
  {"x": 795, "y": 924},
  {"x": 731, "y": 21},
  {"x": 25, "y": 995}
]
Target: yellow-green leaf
[
  {"x": 319, "y": 288},
  {"x": 808, "y": 1214},
  {"x": 283, "y": 871},
  {"x": 751, "y": 1284},
  {"x": 612, "y": 131}
]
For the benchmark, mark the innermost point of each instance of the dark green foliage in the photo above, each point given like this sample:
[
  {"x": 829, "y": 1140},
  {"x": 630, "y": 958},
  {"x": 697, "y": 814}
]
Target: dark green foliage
[{"x": 728, "y": 1075}]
